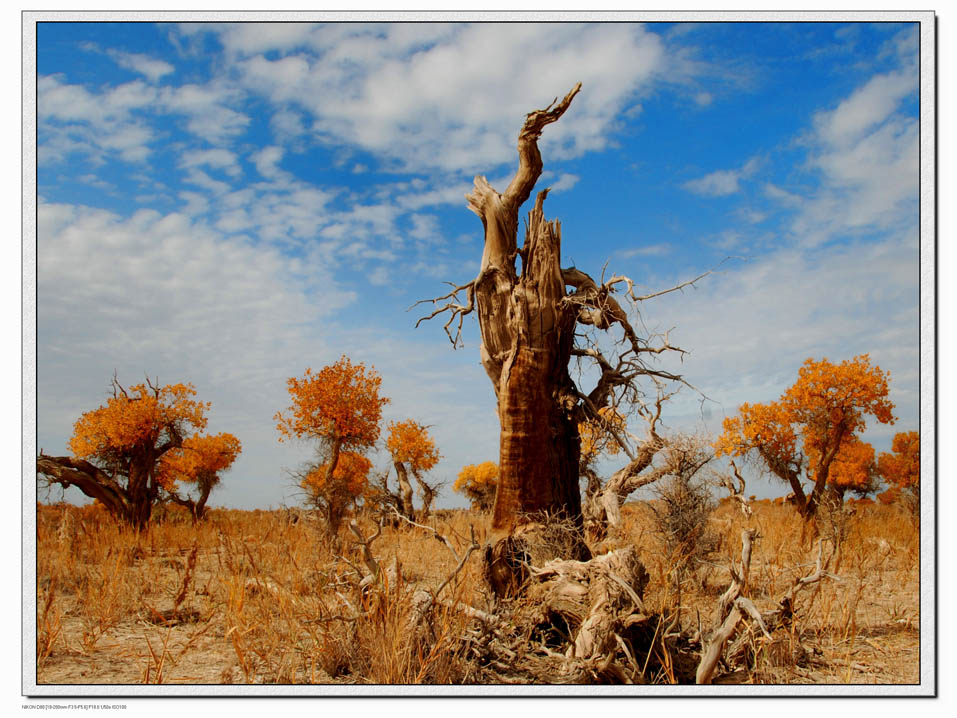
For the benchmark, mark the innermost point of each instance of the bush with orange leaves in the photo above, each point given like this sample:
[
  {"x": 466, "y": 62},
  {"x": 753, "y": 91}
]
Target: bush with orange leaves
[
  {"x": 340, "y": 408},
  {"x": 901, "y": 469},
  {"x": 199, "y": 462},
  {"x": 117, "y": 449},
  {"x": 333, "y": 495},
  {"x": 478, "y": 482},
  {"x": 598, "y": 436},
  {"x": 854, "y": 469},
  {"x": 412, "y": 450},
  {"x": 809, "y": 434}
]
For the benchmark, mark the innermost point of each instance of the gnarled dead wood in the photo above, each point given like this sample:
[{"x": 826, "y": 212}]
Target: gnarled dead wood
[
  {"x": 738, "y": 608},
  {"x": 528, "y": 321},
  {"x": 736, "y": 491},
  {"x": 595, "y": 598},
  {"x": 732, "y": 607}
]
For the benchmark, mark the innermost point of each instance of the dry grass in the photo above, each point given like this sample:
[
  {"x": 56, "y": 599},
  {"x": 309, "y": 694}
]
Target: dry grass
[{"x": 250, "y": 597}]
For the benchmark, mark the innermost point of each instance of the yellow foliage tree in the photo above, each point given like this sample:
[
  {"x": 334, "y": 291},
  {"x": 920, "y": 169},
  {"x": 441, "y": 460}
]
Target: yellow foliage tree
[
  {"x": 901, "y": 466},
  {"x": 413, "y": 451},
  {"x": 598, "y": 436},
  {"x": 340, "y": 407},
  {"x": 800, "y": 437},
  {"x": 199, "y": 463},
  {"x": 854, "y": 469},
  {"x": 349, "y": 481},
  {"x": 116, "y": 448},
  {"x": 479, "y": 483}
]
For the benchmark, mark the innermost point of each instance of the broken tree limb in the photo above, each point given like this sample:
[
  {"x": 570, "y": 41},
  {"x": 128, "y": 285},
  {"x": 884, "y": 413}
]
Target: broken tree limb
[
  {"x": 596, "y": 598},
  {"x": 732, "y": 608},
  {"x": 714, "y": 646}
]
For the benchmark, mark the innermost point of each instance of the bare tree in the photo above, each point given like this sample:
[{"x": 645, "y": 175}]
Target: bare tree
[
  {"x": 428, "y": 490},
  {"x": 530, "y": 324}
]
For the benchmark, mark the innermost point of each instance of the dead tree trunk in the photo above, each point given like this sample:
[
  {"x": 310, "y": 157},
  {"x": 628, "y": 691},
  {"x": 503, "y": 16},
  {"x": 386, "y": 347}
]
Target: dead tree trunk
[
  {"x": 528, "y": 320},
  {"x": 197, "y": 506},
  {"x": 132, "y": 502},
  {"x": 405, "y": 491},
  {"x": 527, "y": 338}
]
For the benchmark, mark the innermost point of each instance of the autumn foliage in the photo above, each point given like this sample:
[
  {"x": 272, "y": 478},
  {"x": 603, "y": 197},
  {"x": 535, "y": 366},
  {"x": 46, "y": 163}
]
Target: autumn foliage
[
  {"x": 478, "y": 482},
  {"x": 340, "y": 407},
  {"x": 412, "y": 450},
  {"x": 199, "y": 462},
  {"x": 141, "y": 420},
  {"x": 809, "y": 434},
  {"x": 411, "y": 444},
  {"x": 598, "y": 436},
  {"x": 853, "y": 469},
  {"x": 119, "y": 449},
  {"x": 901, "y": 469},
  {"x": 349, "y": 481},
  {"x": 339, "y": 403}
]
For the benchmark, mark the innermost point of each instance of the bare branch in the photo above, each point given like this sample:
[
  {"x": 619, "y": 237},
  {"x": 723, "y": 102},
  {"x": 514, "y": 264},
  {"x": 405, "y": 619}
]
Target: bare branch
[
  {"x": 442, "y": 539},
  {"x": 737, "y": 493},
  {"x": 365, "y": 545},
  {"x": 530, "y": 159},
  {"x": 456, "y": 309}
]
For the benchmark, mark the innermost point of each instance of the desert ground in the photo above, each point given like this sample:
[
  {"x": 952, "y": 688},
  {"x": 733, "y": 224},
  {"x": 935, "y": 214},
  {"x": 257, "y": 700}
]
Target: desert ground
[{"x": 269, "y": 597}]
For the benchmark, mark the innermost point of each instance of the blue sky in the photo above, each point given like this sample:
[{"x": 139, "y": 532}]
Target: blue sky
[{"x": 229, "y": 204}]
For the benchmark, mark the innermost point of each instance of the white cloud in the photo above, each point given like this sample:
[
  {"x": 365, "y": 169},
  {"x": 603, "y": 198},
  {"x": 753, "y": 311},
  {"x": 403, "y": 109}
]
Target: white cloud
[
  {"x": 454, "y": 102},
  {"x": 219, "y": 158},
  {"x": 207, "y": 110},
  {"x": 868, "y": 106},
  {"x": 74, "y": 120},
  {"x": 267, "y": 160},
  {"x": 651, "y": 250},
  {"x": 750, "y": 327},
  {"x": 171, "y": 297},
  {"x": 564, "y": 182},
  {"x": 287, "y": 125},
  {"x": 251, "y": 38},
  {"x": 145, "y": 65},
  {"x": 751, "y": 216},
  {"x": 379, "y": 277},
  {"x": 200, "y": 179},
  {"x": 866, "y": 155},
  {"x": 721, "y": 183}
]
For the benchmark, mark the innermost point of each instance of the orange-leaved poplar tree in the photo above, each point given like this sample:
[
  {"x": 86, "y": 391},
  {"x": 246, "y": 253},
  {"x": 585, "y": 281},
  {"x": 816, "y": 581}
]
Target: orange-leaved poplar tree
[
  {"x": 116, "y": 448},
  {"x": 854, "y": 469},
  {"x": 198, "y": 463},
  {"x": 340, "y": 408},
  {"x": 332, "y": 493},
  {"x": 799, "y": 437},
  {"x": 901, "y": 466},
  {"x": 412, "y": 450},
  {"x": 478, "y": 482}
]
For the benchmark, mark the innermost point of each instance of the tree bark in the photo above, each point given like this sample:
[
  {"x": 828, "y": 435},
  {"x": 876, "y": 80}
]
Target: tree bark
[
  {"x": 196, "y": 507},
  {"x": 527, "y": 337},
  {"x": 405, "y": 491},
  {"x": 132, "y": 503},
  {"x": 602, "y": 510},
  {"x": 527, "y": 320}
]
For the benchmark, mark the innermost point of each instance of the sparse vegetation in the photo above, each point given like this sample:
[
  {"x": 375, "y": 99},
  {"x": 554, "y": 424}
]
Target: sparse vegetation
[{"x": 253, "y": 597}]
